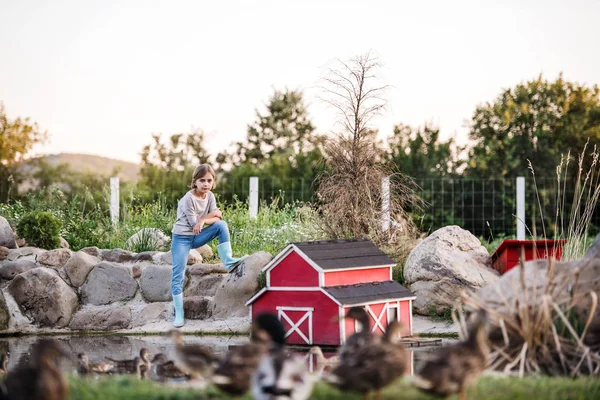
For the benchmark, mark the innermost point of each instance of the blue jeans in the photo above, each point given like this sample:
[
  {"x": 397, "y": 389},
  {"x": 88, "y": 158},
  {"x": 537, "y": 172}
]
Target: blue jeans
[{"x": 181, "y": 245}]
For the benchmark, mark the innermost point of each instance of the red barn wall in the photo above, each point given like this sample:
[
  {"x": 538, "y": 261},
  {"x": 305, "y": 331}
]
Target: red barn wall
[
  {"x": 350, "y": 277},
  {"x": 376, "y": 308},
  {"x": 325, "y": 330},
  {"x": 294, "y": 271}
]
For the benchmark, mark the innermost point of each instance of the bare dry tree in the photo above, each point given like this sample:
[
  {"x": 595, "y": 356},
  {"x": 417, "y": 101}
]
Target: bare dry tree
[{"x": 350, "y": 188}]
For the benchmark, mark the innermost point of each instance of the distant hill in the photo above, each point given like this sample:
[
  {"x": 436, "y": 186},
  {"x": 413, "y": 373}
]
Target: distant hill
[{"x": 128, "y": 171}]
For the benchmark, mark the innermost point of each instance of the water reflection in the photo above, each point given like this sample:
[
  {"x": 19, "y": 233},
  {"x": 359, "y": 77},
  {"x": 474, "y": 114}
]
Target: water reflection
[{"x": 97, "y": 347}]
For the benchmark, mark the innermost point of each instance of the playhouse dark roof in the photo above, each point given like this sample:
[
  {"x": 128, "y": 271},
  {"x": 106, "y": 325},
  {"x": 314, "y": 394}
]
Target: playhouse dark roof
[
  {"x": 366, "y": 292},
  {"x": 344, "y": 253}
]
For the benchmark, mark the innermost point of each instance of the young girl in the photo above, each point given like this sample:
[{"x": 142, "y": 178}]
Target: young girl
[{"x": 198, "y": 222}]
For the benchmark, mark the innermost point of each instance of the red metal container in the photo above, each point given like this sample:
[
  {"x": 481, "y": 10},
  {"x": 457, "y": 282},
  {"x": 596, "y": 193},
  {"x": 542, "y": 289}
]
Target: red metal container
[{"x": 507, "y": 254}]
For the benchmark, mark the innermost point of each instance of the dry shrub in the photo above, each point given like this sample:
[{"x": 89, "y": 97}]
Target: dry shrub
[
  {"x": 350, "y": 190},
  {"x": 543, "y": 325}
]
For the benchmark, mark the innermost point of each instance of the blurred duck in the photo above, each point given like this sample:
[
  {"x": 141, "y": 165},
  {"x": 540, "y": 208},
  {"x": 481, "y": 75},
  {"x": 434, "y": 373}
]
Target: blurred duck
[
  {"x": 235, "y": 371},
  {"x": 139, "y": 366},
  {"x": 40, "y": 378},
  {"x": 3, "y": 364},
  {"x": 454, "y": 368},
  {"x": 282, "y": 375},
  {"x": 85, "y": 366},
  {"x": 373, "y": 366},
  {"x": 166, "y": 369},
  {"x": 365, "y": 337},
  {"x": 194, "y": 360}
]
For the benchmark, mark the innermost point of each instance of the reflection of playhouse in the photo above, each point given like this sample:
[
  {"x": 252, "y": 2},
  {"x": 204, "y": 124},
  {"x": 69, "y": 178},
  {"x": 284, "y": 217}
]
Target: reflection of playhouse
[{"x": 310, "y": 284}]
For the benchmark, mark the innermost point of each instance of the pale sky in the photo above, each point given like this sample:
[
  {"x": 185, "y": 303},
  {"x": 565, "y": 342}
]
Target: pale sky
[{"x": 102, "y": 76}]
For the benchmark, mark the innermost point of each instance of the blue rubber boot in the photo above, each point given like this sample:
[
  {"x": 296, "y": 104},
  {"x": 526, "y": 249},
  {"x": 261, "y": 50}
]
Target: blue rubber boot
[
  {"x": 225, "y": 254},
  {"x": 178, "y": 303}
]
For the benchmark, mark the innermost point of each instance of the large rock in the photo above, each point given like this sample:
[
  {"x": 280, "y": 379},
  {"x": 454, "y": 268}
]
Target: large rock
[
  {"x": 28, "y": 253},
  {"x": 197, "y": 307},
  {"x": 448, "y": 261},
  {"x": 108, "y": 283},
  {"x": 144, "y": 256},
  {"x": 64, "y": 244},
  {"x": 155, "y": 312},
  {"x": 206, "y": 285},
  {"x": 11, "y": 269},
  {"x": 193, "y": 257},
  {"x": 204, "y": 269},
  {"x": 155, "y": 282},
  {"x": 92, "y": 251},
  {"x": 7, "y": 236},
  {"x": 117, "y": 255},
  {"x": 79, "y": 266},
  {"x": 44, "y": 297},
  {"x": 54, "y": 258},
  {"x": 102, "y": 319},
  {"x": 206, "y": 252},
  {"x": 238, "y": 286},
  {"x": 4, "y": 314},
  {"x": 151, "y": 238}
]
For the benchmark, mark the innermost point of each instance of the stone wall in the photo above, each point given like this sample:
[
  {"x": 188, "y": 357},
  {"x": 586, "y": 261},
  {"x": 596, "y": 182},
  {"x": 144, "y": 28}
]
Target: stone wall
[{"x": 117, "y": 290}]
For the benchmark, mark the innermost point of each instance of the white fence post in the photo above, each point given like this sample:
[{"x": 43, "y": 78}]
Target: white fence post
[
  {"x": 520, "y": 208},
  {"x": 385, "y": 204},
  {"x": 253, "y": 203},
  {"x": 114, "y": 199}
]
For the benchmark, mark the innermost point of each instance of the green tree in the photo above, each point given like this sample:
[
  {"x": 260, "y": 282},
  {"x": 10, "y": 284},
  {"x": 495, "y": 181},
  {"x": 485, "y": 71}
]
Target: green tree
[
  {"x": 17, "y": 138},
  {"x": 538, "y": 121},
  {"x": 419, "y": 153},
  {"x": 167, "y": 168},
  {"x": 281, "y": 148}
]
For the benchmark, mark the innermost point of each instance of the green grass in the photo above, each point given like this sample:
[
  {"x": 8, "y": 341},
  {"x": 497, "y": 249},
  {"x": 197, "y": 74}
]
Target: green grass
[{"x": 488, "y": 388}]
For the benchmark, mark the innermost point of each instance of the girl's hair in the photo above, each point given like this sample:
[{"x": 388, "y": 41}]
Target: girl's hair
[{"x": 200, "y": 171}]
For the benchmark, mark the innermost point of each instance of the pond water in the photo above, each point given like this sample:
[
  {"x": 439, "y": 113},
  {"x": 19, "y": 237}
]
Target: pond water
[{"x": 97, "y": 347}]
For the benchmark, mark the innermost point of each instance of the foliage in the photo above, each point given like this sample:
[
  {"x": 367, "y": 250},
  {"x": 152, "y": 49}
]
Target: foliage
[
  {"x": 420, "y": 153},
  {"x": 17, "y": 138},
  {"x": 487, "y": 388},
  {"x": 40, "y": 229},
  {"x": 350, "y": 189},
  {"x": 537, "y": 121}
]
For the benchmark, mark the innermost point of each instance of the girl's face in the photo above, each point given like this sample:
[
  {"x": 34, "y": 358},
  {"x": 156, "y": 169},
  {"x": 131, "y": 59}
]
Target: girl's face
[{"x": 205, "y": 183}]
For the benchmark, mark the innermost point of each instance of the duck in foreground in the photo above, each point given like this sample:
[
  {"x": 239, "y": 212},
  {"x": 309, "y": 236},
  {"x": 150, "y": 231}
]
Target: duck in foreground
[
  {"x": 373, "y": 366},
  {"x": 235, "y": 371},
  {"x": 40, "y": 378},
  {"x": 194, "y": 360},
  {"x": 454, "y": 368},
  {"x": 365, "y": 337}
]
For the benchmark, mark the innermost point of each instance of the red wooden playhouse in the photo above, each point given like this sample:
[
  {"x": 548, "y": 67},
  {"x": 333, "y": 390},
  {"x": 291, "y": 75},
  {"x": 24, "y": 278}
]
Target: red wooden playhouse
[{"x": 309, "y": 284}]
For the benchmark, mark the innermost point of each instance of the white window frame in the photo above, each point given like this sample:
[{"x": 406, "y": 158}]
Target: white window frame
[{"x": 295, "y": 327}]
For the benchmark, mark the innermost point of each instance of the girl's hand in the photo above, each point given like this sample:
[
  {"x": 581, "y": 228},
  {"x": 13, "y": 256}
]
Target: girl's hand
[{"x": 198, "y": 227}]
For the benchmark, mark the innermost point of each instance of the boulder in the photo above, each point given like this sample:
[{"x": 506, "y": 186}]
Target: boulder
[
  {"x": 204, "y": 285},
  {"x": 7, "y": 236},
  {"x": 448, "y": 261},
  {"x": 197, "y": 307},
  {"x": 193, "y": 258},
  {"x": 106, "y": 318},
  {"x": 54, "y": 258},
  {"x": 148, "y": 238},
  {"x": 238, "y": 286},
  {"x": 4, "y": 313},
  {"x": 204, "y": 269},
  {"x": 155, "y": 282},
  {"x": 11, "y": 269},
  {"x": 29, "y": 253},
  {"x": 64, "y": 244},
  {"x": 107, "y": 283},
  {"x": 3, "y": 253},
  {"x": 117, "y": 255},
  {"x": 44, "y": 297},
  {"x": 205, "y": 251},
  {"x": 144, "y": 256},
  {"x": 79, "y": 266},
  {"x": 155, "y": 312},
  {"x": 92, "y": 251}
]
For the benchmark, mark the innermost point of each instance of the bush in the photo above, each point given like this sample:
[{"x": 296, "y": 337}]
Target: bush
[{"x": 40, "y": 229}]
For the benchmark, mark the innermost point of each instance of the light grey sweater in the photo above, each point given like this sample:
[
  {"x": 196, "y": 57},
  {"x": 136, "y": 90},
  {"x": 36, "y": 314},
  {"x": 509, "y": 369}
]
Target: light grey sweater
[{"x": 189, "y": 209}]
